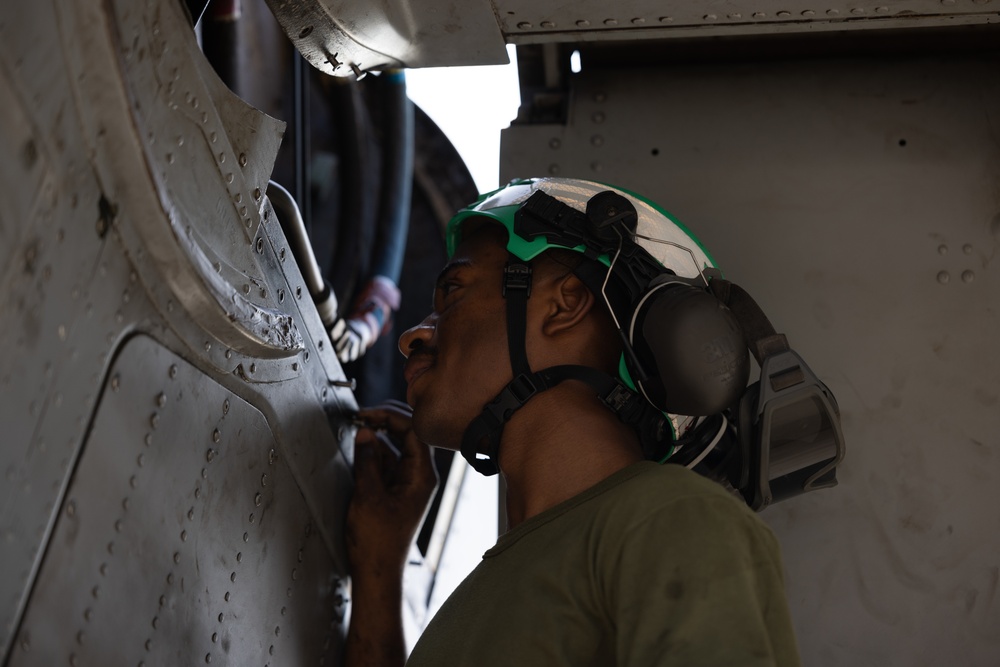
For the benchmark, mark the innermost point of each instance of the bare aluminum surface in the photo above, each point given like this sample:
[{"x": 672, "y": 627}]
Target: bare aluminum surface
[
  {"x": 857, "y": 200},
  {"x": 346, "y": 38},
  {"x": 184, "y": 538},
  {"x": 132, "y": 189}
]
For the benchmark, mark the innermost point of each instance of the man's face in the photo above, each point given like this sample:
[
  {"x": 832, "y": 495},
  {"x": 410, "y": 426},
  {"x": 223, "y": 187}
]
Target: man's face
[{"x": 457, "y": 357}]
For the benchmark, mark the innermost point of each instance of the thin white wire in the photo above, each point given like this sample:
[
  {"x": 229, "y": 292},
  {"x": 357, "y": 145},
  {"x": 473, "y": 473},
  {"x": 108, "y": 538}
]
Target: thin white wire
[
  {"x": 621, "y": 242},
  {"x": 711, "y": 445}
]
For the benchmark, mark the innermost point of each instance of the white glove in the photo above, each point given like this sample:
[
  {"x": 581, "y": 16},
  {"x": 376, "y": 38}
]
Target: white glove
[{"x": 372, "y": 316}]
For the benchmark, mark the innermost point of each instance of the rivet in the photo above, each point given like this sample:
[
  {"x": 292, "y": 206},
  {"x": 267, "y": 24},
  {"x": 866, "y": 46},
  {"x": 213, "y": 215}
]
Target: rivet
[
  {"x": 548, "y": 24},
  {"x": 295, "y": 574},
  {"x": 148, "y": 439},
  {"x": 711, "y": 17},
  {"x": 229, "y": 178},
  {"x": 256, "y": 194},
  {"x": 220, "y": 617},
  {"x": 243, "y": 159},
  {"x": 163, "y": 600},
  {"x": 598, "y": 117},
  {"x": 257, "y": 500},
  {"x": 263, "y": 479},
  {"x": 154, "y": 419},
  {"x": 298, "y": 292},
  {"x": 210, "y": 454},
  {"x": 149, "y": 644},
  {"x": 553, "y": 169},
  {"x": 170, "y": 158},
  {"x": 735, "y": 16},
  {"x": 204, "y": 474},
  {"x": 283, "y": 610},
  {"x": 72, "y": 659},
  {"x": 272, "y": 456},
  {"x": 79, "y": 637},
  {"x": 967, "y": 248},
  {"x": 759, "y": 15},
  {"x": 161, "y": 399},
  {"x": 968, "y": 276},
  {"x": 885, "y": 10},
  {"x": 300, "y": 555},
  {"x": 281, "y": 254},
  {"x": 103, "y": 569},
  {"x": 115, "y": 383},
  {"x": 111, "y": 548},
  {"x": 596, "y": 166},
  {"x": 638, "y": 21},
  {"x": 270, "y": 649},
  {"x": 215, "y": 637},
  {"x": 222, "y": 158},
  {"x": 253, "y": 368},
  {"x": 583, "y": 23},
  {"x": 943, "y": 277},
  {"x": 125, "y": 504},
  {"x": 190, "y": 518},
  {"x": 226, "y": 596},
  {"x": 833, "y": 12},
  {"x": 597, "y": 140},
  {"x": 305, "y": 32},
  {"x": 524, "y": 25},
  {"x": 156, "y": 621},
  {"x": 250, "y": 519},
  {"x": 213, "y": 137},
  {"x": 784, "y": 14},
  {"x": 140, "y": 460},
  {"x": 246, "y": 537},
  {"x": 554, "y": 143},
  {"x": 239, "y": 556},
  {"x": 610, "y": 22},
  {"x": 232, "y": 577},
  {"x": 260, "y": 245},
  {"x": 87, "y": 613},
  {"x": 177, "y": 557},
  {"x": 942, "y": 249},
  {"x": 118, "y": 526},
  {"x": 173, "y": 371},
  {"x": 281, "y": 295},
  {"x": 238, "y": 197},
  {"x": 229, "y": 354},
  {"x": 277, "y": 630},
  {"x": 243, "y": 211},
  {"x": 170, "y": 578},
  {"x": 216, "y": 435},
  {"x": 857, "y": 11},
  {"x": 246, "y": 289},
  {"x": 208, "y": 346},
  {"x": 71, "y": 508},
  {"x": 95, "y": 591},
  {"x": 197, "y": 492}
]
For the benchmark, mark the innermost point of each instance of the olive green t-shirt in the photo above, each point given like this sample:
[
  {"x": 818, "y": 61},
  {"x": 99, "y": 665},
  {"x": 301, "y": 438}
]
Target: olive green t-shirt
[{"x": 655, "y": 565}]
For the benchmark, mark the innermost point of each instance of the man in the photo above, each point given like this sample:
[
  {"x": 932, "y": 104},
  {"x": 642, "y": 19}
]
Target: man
[{"x": 609, "y": 558}]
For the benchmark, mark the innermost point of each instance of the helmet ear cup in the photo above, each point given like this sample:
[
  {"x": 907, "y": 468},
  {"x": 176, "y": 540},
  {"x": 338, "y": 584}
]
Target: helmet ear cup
[{"x": 692, "y": 349}]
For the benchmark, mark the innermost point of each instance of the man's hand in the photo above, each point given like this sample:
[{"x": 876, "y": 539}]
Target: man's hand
[{"x": 390, "y": 496}]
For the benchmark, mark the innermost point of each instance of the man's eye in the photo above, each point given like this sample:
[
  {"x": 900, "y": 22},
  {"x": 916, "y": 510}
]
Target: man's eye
[{"x": 448, "y": 288}]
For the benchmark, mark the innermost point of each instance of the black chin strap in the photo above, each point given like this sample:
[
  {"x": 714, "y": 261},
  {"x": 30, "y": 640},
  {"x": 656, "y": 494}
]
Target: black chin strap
[{"x": 481, "y": 440}]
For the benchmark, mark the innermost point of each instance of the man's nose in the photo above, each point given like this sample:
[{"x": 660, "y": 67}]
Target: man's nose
[{"x": 417, "y": 336}]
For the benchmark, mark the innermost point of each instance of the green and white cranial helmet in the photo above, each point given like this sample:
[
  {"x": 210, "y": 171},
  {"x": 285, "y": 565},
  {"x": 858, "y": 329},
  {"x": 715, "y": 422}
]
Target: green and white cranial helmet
[
  {"x": 662, "y": 236},
  {"x": 665, "y": 239}
]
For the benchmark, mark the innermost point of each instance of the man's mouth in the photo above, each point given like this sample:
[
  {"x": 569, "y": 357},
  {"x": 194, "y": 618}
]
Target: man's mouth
[{"x": 416, "y": 367}]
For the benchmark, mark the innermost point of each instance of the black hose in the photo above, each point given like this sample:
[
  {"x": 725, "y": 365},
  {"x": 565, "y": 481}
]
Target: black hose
[{"x": 397, "y": 178}]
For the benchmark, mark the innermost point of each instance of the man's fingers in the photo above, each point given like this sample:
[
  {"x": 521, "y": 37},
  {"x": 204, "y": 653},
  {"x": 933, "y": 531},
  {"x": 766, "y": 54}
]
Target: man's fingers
[{"x": 393, "y": 419}]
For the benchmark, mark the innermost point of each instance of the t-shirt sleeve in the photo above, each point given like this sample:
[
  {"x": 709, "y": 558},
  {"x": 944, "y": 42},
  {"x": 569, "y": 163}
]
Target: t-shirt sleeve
[{"x": 699, "y": 583}]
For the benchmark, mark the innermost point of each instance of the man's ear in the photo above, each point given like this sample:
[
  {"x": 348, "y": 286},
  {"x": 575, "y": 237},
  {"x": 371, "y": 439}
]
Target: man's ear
[{"x": 568, "y": 302}]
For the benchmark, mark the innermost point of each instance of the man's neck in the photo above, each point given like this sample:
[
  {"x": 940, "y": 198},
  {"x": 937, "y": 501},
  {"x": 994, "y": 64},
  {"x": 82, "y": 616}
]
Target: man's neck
[{"x": 561, "y": 443}]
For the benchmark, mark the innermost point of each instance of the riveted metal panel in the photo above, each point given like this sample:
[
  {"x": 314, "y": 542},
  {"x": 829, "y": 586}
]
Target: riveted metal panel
[
  {"x": 858, "y": 201},
  {"x": 128, "y": 213},
  {"x": 184, "y": 538},
  {"x": 526, "y": 22}
]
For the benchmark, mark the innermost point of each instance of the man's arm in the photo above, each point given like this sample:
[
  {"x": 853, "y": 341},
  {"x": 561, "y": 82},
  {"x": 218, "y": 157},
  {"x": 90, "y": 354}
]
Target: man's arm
[{"x": 390, "y": 497}]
